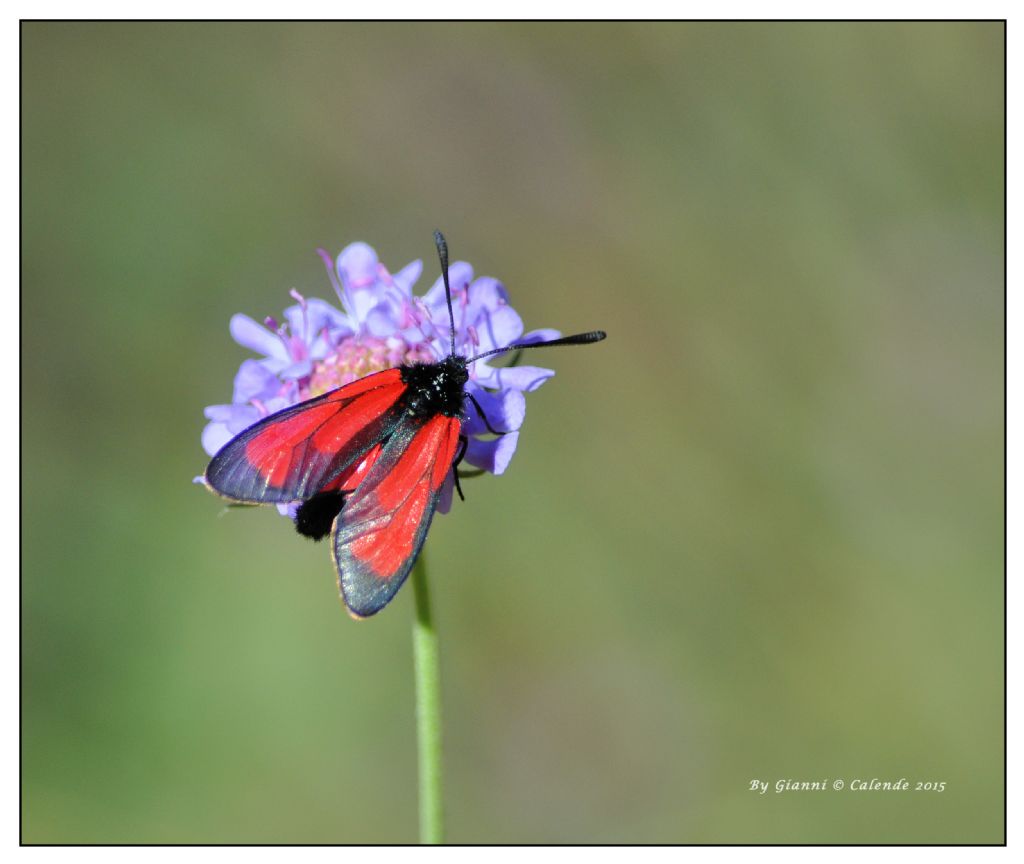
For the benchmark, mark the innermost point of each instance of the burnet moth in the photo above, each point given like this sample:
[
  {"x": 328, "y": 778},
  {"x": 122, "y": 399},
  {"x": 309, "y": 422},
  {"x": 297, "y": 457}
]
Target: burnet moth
[{"x": 367, "y": 461}]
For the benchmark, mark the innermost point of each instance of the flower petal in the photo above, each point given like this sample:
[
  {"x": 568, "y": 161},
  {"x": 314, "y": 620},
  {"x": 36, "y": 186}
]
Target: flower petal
[
  {"x": 488, "y": 293},
  {"x": 316, "y": 317},
  {"x": 235, "y": 418},
  {"x": 543, "y": 335},
  {"x": 258, "y": 338},
  {"x": 297, "y": 370},
  {"x": 278, "y": 403},
  {"x": 485, "y": 294},
  {"x": 357, "y": 266},
  {"x": 254, "y": 381},
  {"x": 494, "y": 454},
  {"x": 242, "y": 417},
  {"x": 380, "y": 322},
  {"x": 525, "y": 378},
  {"x": 408, "y": 276},
  {"x": 215, "y": 435},
  {"x": 505, "y": 411},
  {"x": 497, "y": 329},
  {"x": 218, "y": 413},
  {"x": 460, "y": 274}
]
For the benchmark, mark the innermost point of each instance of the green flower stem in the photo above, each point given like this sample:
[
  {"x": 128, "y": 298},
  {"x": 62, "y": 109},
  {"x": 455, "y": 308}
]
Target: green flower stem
[{"x": 428, "y": 710}]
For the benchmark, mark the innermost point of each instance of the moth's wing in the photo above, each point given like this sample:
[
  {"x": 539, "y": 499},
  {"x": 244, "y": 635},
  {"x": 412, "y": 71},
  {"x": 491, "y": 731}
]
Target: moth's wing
[
  {"x": 293, "y": 454},
  {"x": 382, "y": 526}
]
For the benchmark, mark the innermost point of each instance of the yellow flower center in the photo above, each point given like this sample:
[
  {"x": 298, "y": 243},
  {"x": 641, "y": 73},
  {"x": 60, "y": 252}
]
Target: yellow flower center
[{"x": 356, "y": 357}]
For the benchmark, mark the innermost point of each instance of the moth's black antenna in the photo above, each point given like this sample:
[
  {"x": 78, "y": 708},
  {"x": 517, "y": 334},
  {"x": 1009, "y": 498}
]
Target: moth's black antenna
[
  {"x": 442, "y": 253},
  {"x": 577, "y": 339}
]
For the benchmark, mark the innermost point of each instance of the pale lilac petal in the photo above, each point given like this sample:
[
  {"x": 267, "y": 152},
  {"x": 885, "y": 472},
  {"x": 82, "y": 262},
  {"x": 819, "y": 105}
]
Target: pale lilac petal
[
  {"x": 380, "y": 322},
  {"x": 357, "y": 266},
  {"x": 505, "y": 411},
  {"x": 412, "y": 335},
  {"x": 256, "y": 337},
  {"x": 460, "y": 274},
  {"x": 254, "y": 381},
  {"x": 215, "y": 436},
  {"x": 297, "y": 318},
  {"x": 408, "y": 276},
  {"x": 318, "y": 316},
  {"x": 278, "y": 403},
  {"x": 297, "y": 370},
  {"x": 219, "y": 413},
  {"x": 242, "y": 418},
  {"x": 543, "y": 335},
  {"x": 525, "y": 378},
  {"x": 485, "y": 293},
  {"x": 497, "y": 329},
  {"x": 361, "y": 302},
  {"x": 322, "y": 345},
  {"x": 328, "y": 315},
  {"x": 336, "y": 328},
  {"x": 492, "y": 455},
  {"x": 235, "y": 418}
]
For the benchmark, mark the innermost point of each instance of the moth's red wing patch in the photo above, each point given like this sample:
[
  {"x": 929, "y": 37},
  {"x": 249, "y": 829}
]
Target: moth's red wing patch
[
  {"x": 308, "y": 447},
  {"x": 352, "y": 476},
  {"x": 381, "y": 528}
]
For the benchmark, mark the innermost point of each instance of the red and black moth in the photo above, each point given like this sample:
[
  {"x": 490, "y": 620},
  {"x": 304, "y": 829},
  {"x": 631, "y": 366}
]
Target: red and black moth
[{"x": 367, "y": 461}]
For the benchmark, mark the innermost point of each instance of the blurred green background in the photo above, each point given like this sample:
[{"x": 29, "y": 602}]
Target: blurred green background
[{"x": 758, "y": 533}]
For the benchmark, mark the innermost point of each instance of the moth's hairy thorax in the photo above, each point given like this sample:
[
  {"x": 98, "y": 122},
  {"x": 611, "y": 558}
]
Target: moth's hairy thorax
[{"x": 435, "y": 388}]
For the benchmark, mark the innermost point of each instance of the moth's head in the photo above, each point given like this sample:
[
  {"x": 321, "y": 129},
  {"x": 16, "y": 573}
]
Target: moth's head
[{"x": 456, "y": 369}]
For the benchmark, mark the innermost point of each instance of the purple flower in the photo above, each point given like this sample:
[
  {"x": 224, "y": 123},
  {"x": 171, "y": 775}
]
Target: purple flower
[{"x": 382, "y": 324}]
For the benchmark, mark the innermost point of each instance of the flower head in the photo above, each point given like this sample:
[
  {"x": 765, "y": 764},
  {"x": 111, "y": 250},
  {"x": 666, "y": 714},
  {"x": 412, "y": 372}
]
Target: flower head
[{"x": 382, "y": 324}]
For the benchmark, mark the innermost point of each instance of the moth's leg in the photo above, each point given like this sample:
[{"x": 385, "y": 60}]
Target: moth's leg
[{"x": 463, "y": 444}]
